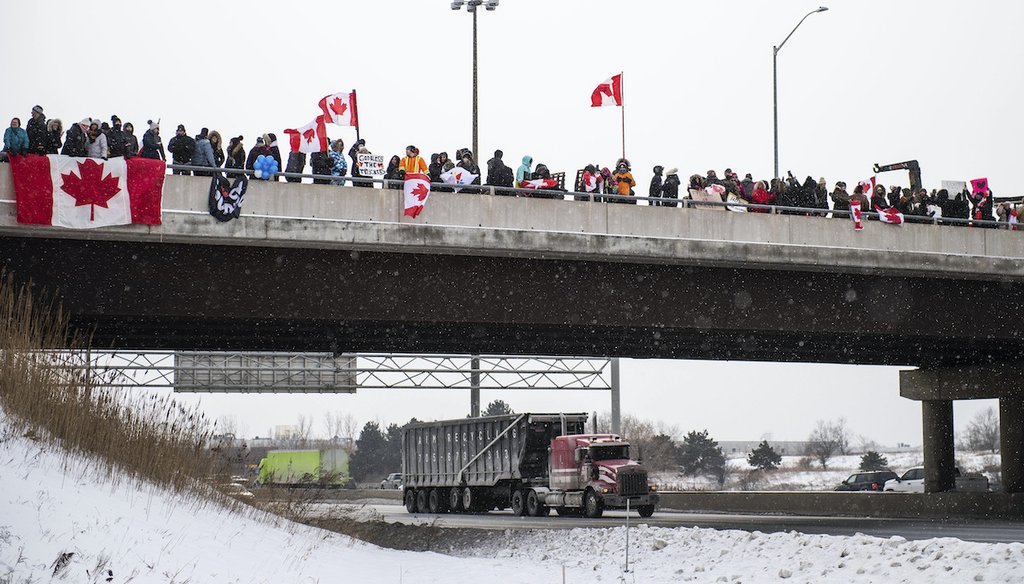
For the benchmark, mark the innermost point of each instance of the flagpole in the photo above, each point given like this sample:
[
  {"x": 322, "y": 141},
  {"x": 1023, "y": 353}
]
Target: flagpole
[
  {"x": 355, "y": 111},
  {"x": 622, "y": 94}
]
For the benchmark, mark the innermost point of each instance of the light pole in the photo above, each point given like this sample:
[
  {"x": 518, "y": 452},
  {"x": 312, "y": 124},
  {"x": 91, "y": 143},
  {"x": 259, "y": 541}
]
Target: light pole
[
  {"x": 775, "y": 81},
  {"x": 471, "y": 5}
]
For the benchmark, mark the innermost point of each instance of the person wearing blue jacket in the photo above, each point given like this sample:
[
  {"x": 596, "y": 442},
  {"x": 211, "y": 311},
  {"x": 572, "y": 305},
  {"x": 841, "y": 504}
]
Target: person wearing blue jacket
[
  {"x": 203, "y": 154},
  {"x": 15, "y": 139},
  {"x": 524, "y": 172}
]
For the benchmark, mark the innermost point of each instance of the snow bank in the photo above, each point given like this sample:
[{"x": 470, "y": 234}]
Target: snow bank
[{"x": 56, "y": 516}]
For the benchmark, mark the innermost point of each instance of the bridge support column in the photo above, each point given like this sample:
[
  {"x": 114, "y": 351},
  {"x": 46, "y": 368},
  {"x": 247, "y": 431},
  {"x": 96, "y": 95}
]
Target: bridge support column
[
  {"x": 1011, "y": 443},
  {"x": 939, "y": 465},
  {"x": 616, "y": 409},
  {"x": 474, "y": 391}
]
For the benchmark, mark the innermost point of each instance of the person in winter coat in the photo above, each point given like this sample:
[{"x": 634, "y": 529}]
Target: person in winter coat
[
  {"x": 296, "y": 164},
  {"x": 413, "y": 163},
  {"x": 97, "y": 142},
  {"x": 275, "y": 152},
  {"x": 320, "y": 163},
  {"x": 498, "y": 174},
  {"x": 670, "y": 188},
  {"x": 761, "y": 196},
  {"x": 217, "y": 144},
  {"x": 203, "y": 153},
  {"x": 338, "y": 166},
  {"x": 747, "y": 186},
  {"x": 115, "y": 138},
  {"x": 394, "y": 175},
  {"x": 840, "y": 198},
  {"x": 16, "y": 140},
  {"x": 859, "y": 196},
  {"x": 54, "y": 133},
  {"x": 445, "y": 162},
  {"x": 981, "y": 206},
  {"x": 654, "y": 191},
  {"x": 36, "y": 130},
  {"x": 524, "y": 172},
  {"x": 467, "y": 163},
  {"x": 260, "y": 149},
  {"x": 182, "y": 147},
  {"x": 821, "y": 196},
  {"x": 236, "y": 153},
  {"x": 131, "y": 143},
  {"x": 76, "y": 141},
  {"x": 624, "y": 182},
  {"x": 434, "y": 168},
  {"x": 354, "y": 153},
  {"x": 152, "y": 146}
]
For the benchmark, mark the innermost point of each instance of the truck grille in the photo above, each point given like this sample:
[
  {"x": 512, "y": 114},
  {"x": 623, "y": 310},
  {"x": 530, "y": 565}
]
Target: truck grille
[{"x": 633, "y": 483}]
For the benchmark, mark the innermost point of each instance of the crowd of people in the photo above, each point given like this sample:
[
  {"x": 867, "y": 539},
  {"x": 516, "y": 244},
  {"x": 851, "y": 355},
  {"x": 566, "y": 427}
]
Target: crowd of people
[{"x": 101, "y": 139}]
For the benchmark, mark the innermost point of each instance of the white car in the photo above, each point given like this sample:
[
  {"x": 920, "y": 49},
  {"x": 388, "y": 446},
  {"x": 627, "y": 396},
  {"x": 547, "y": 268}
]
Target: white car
[
  {"x": 912, "y": 481},
  {"x": 393, "y": 481}
]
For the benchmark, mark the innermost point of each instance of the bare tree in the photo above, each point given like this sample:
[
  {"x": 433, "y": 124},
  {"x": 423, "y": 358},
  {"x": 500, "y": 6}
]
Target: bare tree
[
  {"x": 342, "y": 428},
  {"x": 227, "y": 425},
  {"x": 982, "y": 431},
  {"x": 652, "y": 442},
  {"x": 304, "y": 429},
  {"x": 828, "y": 439}
]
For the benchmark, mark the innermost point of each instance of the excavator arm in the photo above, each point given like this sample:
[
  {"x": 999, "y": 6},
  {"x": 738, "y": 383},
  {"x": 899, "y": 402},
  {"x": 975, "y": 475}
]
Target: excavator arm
[{"x": 911, "y": 165}]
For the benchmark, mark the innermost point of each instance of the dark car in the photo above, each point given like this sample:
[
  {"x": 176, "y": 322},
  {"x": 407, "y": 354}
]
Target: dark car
[{"x": 873, "y": 480}]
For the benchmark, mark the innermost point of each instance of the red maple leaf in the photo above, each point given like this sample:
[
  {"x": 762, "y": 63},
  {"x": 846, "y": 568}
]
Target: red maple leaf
[
  {"x": 90, "y": 187},
  {"x": 421, "y": 191},
  {"x": 308, "y": 135},
  {"x": 338, "y": 106}
]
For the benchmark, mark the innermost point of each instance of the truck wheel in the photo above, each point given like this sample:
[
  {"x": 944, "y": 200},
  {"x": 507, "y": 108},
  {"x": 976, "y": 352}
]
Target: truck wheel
[
  {"x": 592, "y": 505},
  {"x": 534, "y": 507},
  {"x": 410, "y": 501},
  {"x": 469, "y": 500},
  {"x": 455, "y": 500},
  {"x": 434, "y": 501},
  {"x": 518, "y": 503},
  {"x": 645, "y": 510},
  {"x": 422, "y": 500}
]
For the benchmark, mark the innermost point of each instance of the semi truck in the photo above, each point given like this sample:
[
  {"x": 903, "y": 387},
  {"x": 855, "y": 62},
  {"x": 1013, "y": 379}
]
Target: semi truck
[
  {"x": 531, "y": 463},
  {"x": 326, "y": 467}
]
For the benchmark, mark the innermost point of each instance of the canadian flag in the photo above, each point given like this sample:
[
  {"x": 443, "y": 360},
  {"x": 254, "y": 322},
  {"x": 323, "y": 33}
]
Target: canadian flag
[
  {"x": 458, "y": 176},
  {"x": 83, "y": 193},
  {"x": 309, "y": 138},
  {"x": 417, "y": 189},
  {"x": 607, "y": 93},
  {"x": 890, "y": 215},
  {"x": 340, "y": 109},
  {"x": 539, "y": 183},
  {"x": 869, "y": 186},
  {"x": 590, "y": 182},
  {"x": 858, "y": 225}
]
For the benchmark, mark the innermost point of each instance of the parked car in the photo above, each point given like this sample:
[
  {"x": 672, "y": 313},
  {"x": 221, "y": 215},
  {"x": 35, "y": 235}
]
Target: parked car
[
  {"x": 912, "y": 481},
  {"x": 872, "y": 480},
  {"x": 393, "y": 481}
]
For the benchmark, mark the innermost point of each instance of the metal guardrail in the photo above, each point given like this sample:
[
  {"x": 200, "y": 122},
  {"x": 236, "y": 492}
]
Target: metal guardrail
[{"x": 390, "y": 184}]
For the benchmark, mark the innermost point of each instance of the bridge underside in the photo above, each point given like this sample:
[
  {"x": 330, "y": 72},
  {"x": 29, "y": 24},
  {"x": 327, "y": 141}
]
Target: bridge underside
[{"x": 180, "y": 296}]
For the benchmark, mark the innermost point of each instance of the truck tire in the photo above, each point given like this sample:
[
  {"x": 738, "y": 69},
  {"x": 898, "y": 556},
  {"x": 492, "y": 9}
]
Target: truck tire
[
  {"x": 593, "y": 506},
  {"x": 422, "y": 500},
  {"x": 455, "y": 500},
  {"x": 645, "y": 510},
  {"x": 534, "y": 507},
  {"x": 436, "y": 501},
  {"x": 518, "y": 502},
  {"x": 410, "y": 501},
  {"x": 469, "y": 500}
]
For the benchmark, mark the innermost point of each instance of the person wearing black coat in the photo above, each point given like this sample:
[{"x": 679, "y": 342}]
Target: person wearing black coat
[
  {"x": 54, "y": 133},
  {"x": 115, "y": 138},
  {"x": 320, "y": 163},
  {"x": 275, "y": 152},
  {"x": 152, "y": 146},
  {"x": 981, "y": 207},
  {"x": 498, "y": 174},
  {"x": 182, "y": 147},
  {"x": 76, "y": 142},
  {"x": 131, "y": 143},
  {"x": 654, "y": 191},
  {"x": 393, "y": 175},
  {"x": 260, "y": 149},
  {"x": 296, "y": 164},
  {"x": 353, "y": 153},
  {"x": 38, "y": 137},
  {"x": 670, "y": 188},
  {"x": 434, "y": 168},
  {"x": 235, "y": 154}
]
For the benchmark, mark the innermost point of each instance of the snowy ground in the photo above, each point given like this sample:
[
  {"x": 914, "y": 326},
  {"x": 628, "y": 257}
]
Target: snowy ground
[
  {"x": 52, "y": 507},
  {"x": 790, "y": 477}
]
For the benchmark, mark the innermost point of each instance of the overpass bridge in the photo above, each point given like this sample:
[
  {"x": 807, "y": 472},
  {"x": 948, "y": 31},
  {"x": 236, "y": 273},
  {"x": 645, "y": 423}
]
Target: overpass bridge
[{"x": 329, "y": 268}]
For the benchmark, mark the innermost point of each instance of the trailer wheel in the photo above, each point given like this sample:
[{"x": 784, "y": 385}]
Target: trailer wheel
[
  {"x": 518, "y": 503},
  {"x": 533, "y": 505},
  {"x": 410, "y": 501},
  {"x": 469, "y": 500},
  {"x": 455, "y": 500},
  {"x": 645, "y": 510},
  {"x": 592, "y": 505},
  {"x": 422, "y": 500}
]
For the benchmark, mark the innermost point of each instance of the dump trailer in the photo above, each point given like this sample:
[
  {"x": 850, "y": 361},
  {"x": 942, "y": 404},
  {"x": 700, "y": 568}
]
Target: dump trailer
[
  {"x": 531, "y": 463},
  {"x": 325, "y": 467}
]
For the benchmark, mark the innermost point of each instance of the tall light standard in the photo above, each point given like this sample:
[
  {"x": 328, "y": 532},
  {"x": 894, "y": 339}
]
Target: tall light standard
[
  {"x": 775, "y": 80},
  {"x": 471, "y": 5}
]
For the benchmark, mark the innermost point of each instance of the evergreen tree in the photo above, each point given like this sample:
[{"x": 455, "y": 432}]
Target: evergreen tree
[
  {"x": 764, "y": 457},
  {"x": 497, "y": 408},
  {"x": 371, "y": 449},
  {"x": 873, "y": 461},
  {"x": 699, "y": 454}
]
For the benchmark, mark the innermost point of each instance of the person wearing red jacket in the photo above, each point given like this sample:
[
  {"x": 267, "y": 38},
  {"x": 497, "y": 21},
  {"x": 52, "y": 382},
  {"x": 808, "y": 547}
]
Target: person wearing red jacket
[{"x": 761, "y": 196}]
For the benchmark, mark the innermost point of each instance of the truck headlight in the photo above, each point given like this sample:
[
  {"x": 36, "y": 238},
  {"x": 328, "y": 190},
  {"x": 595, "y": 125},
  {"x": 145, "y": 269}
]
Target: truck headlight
[{"x": 654, "y": 488}]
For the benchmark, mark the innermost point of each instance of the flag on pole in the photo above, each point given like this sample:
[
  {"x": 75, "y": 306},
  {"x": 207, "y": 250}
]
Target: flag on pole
[
  {"x": 417, "y": 189},
  {"x": 856, "y": 216},
  {"x": 458, "y": 176},
  {"x": 340, "y": 109},
  {"x": 309, "y": 138},
  {"x": 608, "y": 93},
  {"x": 890, "y": 215},
  {"x": 83, "y": 193}
]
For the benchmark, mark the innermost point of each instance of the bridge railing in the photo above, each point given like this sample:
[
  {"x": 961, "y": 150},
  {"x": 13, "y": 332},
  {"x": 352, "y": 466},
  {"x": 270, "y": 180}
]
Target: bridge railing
[{"x": 391, "y": 184}]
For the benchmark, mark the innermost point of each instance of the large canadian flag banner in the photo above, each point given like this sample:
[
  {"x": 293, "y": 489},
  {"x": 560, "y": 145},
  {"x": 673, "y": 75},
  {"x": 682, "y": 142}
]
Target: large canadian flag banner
[
  {"x": 340, "y": 108},
  {"x": 417, "y": 189},
  {"x": 83, "y": 193}
]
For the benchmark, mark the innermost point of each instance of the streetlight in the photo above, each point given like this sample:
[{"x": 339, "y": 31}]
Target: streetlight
[
  {"x": 775, "y": 80},
  {"x": 471, "y": 5}
]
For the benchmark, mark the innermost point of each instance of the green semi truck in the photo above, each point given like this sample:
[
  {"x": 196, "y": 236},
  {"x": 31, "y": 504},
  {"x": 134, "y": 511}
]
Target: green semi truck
[{"x": 325, "y": 467}]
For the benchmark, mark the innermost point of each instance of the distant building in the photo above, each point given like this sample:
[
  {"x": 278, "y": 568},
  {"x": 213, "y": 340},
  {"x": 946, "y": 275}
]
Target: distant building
[{"x": 286, "y": 432}]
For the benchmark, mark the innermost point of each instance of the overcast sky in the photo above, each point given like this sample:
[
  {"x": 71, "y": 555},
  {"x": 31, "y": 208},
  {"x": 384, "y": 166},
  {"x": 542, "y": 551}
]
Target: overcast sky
[{"x": 867, "y": 81}]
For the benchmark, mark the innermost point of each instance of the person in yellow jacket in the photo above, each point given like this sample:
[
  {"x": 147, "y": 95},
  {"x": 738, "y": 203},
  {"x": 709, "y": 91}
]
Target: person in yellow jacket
[
  {"x": 624, "y": 182},
  {"x": 413, "y": 163}
]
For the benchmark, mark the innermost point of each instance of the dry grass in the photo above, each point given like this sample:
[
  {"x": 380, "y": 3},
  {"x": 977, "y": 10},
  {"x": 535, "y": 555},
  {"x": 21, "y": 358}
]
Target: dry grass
[{"x": 141, "y": 435}]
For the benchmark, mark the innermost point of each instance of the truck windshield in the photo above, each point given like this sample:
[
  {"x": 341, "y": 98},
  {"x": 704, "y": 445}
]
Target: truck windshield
[{"x": 609, "y": 452}]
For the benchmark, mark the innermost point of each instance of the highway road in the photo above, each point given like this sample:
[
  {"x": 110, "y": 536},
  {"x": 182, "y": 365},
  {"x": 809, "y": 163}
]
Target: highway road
[{"x": 968, "y": 530}]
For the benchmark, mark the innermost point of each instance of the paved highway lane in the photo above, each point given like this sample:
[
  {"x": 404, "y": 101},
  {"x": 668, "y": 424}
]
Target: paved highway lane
[{"x": 972, "y": 530}]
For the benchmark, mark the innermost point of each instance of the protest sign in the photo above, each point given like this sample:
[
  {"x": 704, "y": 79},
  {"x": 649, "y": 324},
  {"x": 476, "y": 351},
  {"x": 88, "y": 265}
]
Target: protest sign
[{"x": 371, "y": 164}]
